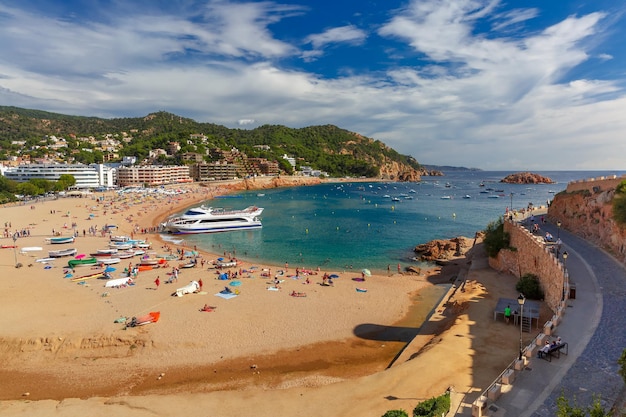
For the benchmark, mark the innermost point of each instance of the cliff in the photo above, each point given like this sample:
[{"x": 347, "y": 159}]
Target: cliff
[{"x": 588, "y": 213}]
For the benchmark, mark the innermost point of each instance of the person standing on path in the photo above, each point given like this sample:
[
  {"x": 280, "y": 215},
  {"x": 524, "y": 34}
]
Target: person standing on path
[{"x": 507, "y": 313}]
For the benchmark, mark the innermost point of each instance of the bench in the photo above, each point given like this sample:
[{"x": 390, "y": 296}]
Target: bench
[{"x": 554, "y": 351}]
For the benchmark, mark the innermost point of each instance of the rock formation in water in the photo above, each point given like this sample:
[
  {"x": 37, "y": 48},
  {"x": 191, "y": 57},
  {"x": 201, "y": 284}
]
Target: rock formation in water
[{"x": 526, "y": 178}]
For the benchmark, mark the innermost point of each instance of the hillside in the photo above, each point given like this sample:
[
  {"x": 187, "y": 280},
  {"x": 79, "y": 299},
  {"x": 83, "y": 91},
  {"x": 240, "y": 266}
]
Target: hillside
[{"x": 327, "y": 148}]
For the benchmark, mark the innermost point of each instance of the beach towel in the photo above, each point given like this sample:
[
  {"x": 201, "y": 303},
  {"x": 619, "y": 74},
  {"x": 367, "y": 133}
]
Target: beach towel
[
  {"x": 235, "y": 283},
  {"x": 272, "y": 289},
  {"x": 226, "y": 296}
]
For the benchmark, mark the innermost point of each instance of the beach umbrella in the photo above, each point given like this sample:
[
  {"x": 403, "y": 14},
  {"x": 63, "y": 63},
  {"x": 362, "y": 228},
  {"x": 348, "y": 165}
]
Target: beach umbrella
[
  {"x": 220, "y": 259},
  {"x": 109, "y": 269},
  {"x": 366, "y": 272},
  {"x": 80, "y": 256},
  {"x": 333, "y": 276}
]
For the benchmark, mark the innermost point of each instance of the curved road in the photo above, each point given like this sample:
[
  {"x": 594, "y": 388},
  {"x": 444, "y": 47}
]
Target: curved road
[
  {"x": 594, "y": 372},
  {"x": 594, "y": 327}
]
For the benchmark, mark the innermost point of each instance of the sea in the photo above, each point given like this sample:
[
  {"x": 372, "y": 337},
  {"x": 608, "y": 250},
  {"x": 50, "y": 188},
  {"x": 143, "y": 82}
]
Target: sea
[{"x": 339, "y": 226}]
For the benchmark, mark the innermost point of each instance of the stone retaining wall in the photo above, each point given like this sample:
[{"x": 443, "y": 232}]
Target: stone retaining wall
[
  {"x": 532, "y": 256},
  {"x": 595, "y": 184}
]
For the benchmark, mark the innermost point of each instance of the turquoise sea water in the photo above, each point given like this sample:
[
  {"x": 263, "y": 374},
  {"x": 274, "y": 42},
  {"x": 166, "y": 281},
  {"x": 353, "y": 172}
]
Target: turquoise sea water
[{"x": 343, "y": 225}]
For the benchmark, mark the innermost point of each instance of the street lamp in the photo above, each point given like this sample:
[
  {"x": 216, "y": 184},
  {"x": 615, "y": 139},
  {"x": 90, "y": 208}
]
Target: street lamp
[
  {"x": 521, "y": 300},
  {"x": 558, "y": 232},
  {"x": 565, "y": 274}
]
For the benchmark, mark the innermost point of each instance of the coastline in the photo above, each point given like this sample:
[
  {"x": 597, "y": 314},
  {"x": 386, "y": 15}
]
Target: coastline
[{"x": 328, "y": 355}]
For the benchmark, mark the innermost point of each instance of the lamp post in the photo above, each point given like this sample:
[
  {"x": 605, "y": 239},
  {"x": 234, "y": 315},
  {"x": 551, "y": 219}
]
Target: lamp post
[
  {"x": 15, "y": 247},
  {"x": 521, "y": 300},
  {"x": 558, "y": 231},
  {"x": 565, "y": 275}
]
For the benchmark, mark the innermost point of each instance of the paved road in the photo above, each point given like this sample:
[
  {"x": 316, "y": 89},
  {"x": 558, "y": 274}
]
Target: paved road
[{"x": 593, "y": 325}]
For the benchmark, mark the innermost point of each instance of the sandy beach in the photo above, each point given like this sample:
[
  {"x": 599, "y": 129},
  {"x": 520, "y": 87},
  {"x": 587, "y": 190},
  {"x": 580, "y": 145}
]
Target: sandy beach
[{"x": 260, "y": 353}]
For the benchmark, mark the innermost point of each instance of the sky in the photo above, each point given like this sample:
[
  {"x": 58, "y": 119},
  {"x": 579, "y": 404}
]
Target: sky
[{"x": 490, "y": 84}]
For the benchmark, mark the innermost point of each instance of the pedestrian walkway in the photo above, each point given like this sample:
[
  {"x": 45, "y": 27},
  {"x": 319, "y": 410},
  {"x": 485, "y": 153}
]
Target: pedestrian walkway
[{"x": 592, "y": 326}]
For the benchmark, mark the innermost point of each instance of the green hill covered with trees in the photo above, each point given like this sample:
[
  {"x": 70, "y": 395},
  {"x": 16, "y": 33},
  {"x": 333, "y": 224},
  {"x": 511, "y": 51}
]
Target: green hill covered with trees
[{"x": 327, "y": 148}]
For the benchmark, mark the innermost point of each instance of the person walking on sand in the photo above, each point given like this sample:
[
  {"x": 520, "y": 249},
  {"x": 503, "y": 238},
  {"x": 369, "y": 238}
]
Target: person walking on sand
[
  {"x": 200, "y": 283},
  {"x": 157, "y": 282}
]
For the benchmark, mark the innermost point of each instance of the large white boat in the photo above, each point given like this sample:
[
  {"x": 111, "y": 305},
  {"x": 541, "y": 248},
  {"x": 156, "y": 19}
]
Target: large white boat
[{"x": 209, "y": 220}]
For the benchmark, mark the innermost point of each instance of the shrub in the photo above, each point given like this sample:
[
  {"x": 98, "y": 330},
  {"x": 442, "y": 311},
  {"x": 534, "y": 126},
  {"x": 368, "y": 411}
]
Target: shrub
[
  {"x": 434, "y": 407},
  {"x": 396, "y": 413},
  {"x": 529, "y": 286},
  {"x": 495, "y": 238}
]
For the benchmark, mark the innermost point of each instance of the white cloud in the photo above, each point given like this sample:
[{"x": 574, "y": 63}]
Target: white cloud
[
  {"x": 350, "y": 34},
  {"x": 245, "y": 122}
]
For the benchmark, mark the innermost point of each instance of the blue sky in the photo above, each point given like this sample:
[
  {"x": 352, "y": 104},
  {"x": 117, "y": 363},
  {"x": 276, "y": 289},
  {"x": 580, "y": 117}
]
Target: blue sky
[{"x": 517, "y": 85}]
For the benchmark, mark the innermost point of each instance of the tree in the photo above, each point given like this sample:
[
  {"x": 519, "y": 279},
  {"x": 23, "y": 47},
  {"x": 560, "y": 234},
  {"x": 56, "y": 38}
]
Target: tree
[
  {"x": 28, "y": 188},
  {"x": 65, "y": 181}
]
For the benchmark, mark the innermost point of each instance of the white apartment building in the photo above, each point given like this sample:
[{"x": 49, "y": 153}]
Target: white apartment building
[{"x": 86, "y": 176}]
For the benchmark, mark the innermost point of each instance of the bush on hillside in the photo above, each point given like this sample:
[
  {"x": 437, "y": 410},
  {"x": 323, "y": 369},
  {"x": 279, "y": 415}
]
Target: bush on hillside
[
  {"x": 495, "y": 238},
  {"x": 529, "y": 286},
  {"x": 619, "y": 204}
]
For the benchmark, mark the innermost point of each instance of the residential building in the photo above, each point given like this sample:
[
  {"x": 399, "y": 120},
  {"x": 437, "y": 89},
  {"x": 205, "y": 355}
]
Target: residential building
[
  {"x": 150, "y": 175},
  {"x": 86, "y": 176},
  {"x": 215, "y": 171}
]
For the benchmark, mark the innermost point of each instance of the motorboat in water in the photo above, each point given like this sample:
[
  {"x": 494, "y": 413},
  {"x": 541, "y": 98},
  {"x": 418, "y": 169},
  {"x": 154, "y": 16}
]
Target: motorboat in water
[{"x": 209, "y": 220}]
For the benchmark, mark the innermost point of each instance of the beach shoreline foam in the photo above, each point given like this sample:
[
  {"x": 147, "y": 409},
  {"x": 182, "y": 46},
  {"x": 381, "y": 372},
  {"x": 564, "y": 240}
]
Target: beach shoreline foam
[{"x": 60, "y": 341}]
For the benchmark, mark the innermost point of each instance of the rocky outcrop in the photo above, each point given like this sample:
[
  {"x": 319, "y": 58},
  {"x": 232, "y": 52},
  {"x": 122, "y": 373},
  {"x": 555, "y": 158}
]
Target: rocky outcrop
[
  {"x": 395, "y": 171},
  {"x": 440, "y": 249},
  {"x": 589, "y": 214},
  {"x": 526, "y": 178}
]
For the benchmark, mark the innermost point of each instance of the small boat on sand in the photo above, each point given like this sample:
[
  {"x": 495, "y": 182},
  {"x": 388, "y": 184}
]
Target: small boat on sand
[
  {"x": 62, "y": 253},
  {"x": 60, "y": 240},
  {"x": 88, "y": 276},
  {"x": 109, "y": 261},
  {"x": 73, "y": 263}
]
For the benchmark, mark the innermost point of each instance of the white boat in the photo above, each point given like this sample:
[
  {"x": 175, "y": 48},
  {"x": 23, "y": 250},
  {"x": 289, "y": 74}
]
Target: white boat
[
  {"x": 446, "y": 197},
  {"x": 105, "y": 252},
  {"x": 142, "y": 245},
  {"x": 467, "y": 196},
  {"x": 109, "y": 261},
  {"x": 62, "y": 252},
  {"x": 60, "y": 240},
  {"x": 125, "y": 254},
  {"x": 119, "y": 238},
  {"x": 120, "y": 246},
  {"x": 31, "y": 249},
  {"x": 209, "y": 220}
]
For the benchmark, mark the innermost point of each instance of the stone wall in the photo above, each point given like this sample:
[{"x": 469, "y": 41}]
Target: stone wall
[
  {"x": 595, "y": 184},
  {"x": 531, "y": 256}
]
